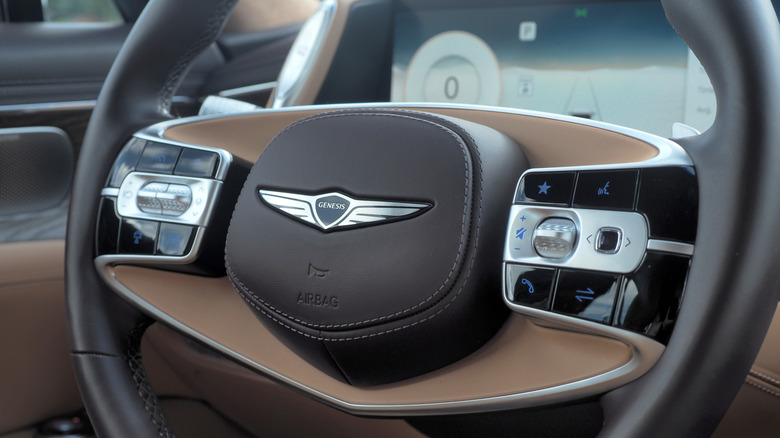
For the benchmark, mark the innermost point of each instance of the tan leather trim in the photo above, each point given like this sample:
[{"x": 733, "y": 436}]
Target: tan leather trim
[
  {"x": 38, "y": 378},
  {"x": 257, "y": 403},
  {"x": 546, "y": 142},
  {"x": 211, "y": 307},
  {"x": 756, "y": 410}
]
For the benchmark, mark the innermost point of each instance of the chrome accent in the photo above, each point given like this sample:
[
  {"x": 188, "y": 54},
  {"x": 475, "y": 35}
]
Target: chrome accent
[
  {"x": 74, "y": 105},
  {"x": 356, "y": 212},
  {"x": 136, "y": 200},
  {"x": 306, "y": 49},
  {"x": 249, "y": 89},
  {"x": 584, "y": 255},
  {"x": 110, "y": 191},
  {"x": 681, "y": 130},
  {"x": 224, "y": 106},
  {"x": 554, "y": 238},
  {"x": 670, "y": 247},
  {"x": 599, "y": 236}
]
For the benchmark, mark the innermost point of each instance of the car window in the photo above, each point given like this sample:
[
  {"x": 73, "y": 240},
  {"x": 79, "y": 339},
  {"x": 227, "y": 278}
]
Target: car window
[{"x": 81, "y": 11}]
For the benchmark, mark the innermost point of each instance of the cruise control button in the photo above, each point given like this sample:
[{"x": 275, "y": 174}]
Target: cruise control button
[
  {"x": 174, "y": 240},
  {"x": 554, "y": 238},
  {"x": 194, "y": 162},
  {"x": 158, "y": 158},
  {"x": 529, "y": 286},
  {"x": 608, "y": 189},
  {"x": 608, "y": 240},
  {"x": 137, "y": 236},
  {"x": 546, "y": 187},
  {"x": 586, "y": 295}
]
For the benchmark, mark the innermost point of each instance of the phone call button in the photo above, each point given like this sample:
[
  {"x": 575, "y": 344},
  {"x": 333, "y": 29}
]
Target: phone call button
[{"x": 530, "y": 286}]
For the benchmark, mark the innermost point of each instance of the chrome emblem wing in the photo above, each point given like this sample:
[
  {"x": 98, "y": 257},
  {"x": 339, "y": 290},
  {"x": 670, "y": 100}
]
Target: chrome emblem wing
[{"x": 331, "y": 210}]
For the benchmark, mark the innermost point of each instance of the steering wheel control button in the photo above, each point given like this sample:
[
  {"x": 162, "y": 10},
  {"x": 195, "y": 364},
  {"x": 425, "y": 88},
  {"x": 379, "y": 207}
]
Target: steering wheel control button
[
  {"x": 608, "y": 240},
  {"x": 147, "y": 197},
  {"x": 174, "y": 240},
  {"x": 175, "y": 200},
  {"x": 158, "y": 158},
  {"x": 195, "y": 162},
  {"x": 669, "y": 197},
  {"x": 652, "y": 296},
  {"x": 126, "y": 161},
  {"x": 555, "y": 238},
  {"x": 138, "y": 236},
  {"x": 529, "y": 286},
  {"x": 546, "y": 187},
  {"x": 606, "y": 189},
  {"x": 586, "y": 295}
]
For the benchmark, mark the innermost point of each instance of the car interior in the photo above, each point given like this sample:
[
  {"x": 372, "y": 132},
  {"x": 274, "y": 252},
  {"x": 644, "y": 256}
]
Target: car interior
[{"x": 389, "y": 218}]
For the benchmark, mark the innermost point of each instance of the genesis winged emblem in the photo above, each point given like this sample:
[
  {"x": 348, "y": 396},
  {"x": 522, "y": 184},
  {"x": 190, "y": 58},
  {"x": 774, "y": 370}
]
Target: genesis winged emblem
[{"x": 332, "y": 210}]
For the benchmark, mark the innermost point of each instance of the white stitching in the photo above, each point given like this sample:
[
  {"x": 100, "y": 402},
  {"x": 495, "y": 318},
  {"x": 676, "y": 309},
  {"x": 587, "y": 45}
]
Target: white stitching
[{"x": 463, "y": 222}]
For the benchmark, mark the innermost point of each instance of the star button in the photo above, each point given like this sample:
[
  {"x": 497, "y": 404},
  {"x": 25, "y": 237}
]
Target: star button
[{"x": 543, "y": 188}]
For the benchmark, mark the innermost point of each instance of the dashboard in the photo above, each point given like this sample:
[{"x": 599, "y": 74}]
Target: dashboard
[{"x": 616, "y": 62}]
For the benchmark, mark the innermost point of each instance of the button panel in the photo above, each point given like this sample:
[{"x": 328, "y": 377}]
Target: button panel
[
  {"x": 524, "y": 220},
  {"x": 603, "y": 248}
]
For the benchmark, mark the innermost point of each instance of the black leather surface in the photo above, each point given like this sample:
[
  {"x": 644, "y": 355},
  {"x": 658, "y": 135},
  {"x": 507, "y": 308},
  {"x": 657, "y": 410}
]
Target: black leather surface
[
  {"x": 733, "y": 285},
  {"x": 415, "y": 288},
  {"x": 137, "y": 94}
]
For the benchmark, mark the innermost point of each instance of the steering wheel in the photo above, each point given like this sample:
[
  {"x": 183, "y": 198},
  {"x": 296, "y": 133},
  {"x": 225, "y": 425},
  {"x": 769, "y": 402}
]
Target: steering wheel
[{"x": 732, "y": 287}]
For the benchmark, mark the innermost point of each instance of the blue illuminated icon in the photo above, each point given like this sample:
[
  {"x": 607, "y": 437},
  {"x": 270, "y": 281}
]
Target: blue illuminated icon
[
  {"x": 519, "y": 234},
  {"x": 174, "y": 240},
  {"x": 197, "y": 162},
  {"x": 522, "y": 219},
  {"x": 603, "y": 190},
  {"x": 584, "y": 295},
  {"x": 543, "y": 188},
  {"x": 160, "y": 158},
  {"x": 137, "y": 236},
  {"x": 528, "y": 283}
]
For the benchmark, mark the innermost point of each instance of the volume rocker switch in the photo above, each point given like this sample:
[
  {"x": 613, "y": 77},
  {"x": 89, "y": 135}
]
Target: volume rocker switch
[{"x": 555, "y": 238}]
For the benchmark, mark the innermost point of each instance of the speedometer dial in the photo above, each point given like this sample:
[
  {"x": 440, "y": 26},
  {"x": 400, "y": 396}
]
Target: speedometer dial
[{"x": 455, "y": 67}]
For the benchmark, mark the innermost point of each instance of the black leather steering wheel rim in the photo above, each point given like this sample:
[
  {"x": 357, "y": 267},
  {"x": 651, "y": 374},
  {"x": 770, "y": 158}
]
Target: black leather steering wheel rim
[{"x": 732, "y": 292}]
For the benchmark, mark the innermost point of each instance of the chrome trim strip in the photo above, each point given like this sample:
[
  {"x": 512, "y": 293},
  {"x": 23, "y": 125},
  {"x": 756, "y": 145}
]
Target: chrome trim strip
[
  {"x": 110, "y": 191},
  {"x": 303, "y": 55},
  {"x": 645, "y": 351},
  {"x": 249, "y": 89},
  {"x": 24, "y": 108},
  {"x": 48, "y": 106},
  {"x": 670, "y": 247}
]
